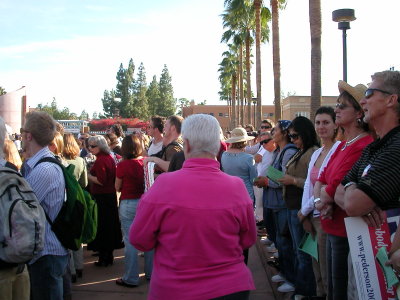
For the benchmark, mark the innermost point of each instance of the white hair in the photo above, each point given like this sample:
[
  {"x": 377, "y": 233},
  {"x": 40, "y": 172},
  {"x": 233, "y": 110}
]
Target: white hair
[
  {"x": 101, "y": 142},
  {"x": 3, "y": 136},
  {"x": 203, "y": 133}
]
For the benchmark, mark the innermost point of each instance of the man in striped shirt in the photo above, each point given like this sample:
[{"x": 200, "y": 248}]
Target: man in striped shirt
[
  {"x": 47, "y": 181},
  {"x": 373, "y": 184}
]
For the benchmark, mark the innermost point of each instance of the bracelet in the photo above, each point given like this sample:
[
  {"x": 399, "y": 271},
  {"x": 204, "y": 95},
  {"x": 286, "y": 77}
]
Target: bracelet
[
  {"x": 348, "y": 184},
  {"x": 317, "y": 199}
]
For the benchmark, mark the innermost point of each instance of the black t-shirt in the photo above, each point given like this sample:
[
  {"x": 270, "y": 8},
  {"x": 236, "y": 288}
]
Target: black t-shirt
[{"x": 377, "y": 172}]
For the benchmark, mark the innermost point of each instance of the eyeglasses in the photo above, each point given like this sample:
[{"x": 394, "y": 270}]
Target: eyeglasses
[
  {"x": 341, "y": 105},
  {"x": 265, "y": 127},
  {"x": 370, "y": 92},
  {"x": 293, "y": 136},
  {"x": 92, "y": 146}
]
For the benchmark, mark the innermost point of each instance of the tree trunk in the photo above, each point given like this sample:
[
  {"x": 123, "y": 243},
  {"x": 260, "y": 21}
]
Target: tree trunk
[
  {"x": 233, "y": 97},
  {"x": 315, "y": 32},
  {"x": 240, "y": 79},
  {"x": 257, "y": 6},
  {"x": 276, "y": 59},
  {"x": 239, "y": 100},
  {"x": 248, "y": 79}
]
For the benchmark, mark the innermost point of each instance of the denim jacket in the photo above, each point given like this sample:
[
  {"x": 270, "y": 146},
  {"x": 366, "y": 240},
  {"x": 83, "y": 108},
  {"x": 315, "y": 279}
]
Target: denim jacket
[{"x": 272, "y": 196}]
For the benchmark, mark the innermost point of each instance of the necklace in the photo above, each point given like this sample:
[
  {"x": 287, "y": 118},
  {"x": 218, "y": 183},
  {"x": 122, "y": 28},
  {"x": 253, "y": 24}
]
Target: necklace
[{"x": 351, "y": 141}]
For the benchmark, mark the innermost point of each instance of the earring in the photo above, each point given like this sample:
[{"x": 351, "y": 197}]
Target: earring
[{"x": 359, "y": 121}]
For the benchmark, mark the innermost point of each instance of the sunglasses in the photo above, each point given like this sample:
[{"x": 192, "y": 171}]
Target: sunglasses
[
  {"x": 293, "y": 136},
  {"x": 370, "y": 92},
  {"x": 92, "y": 146},
  {"x": 265, "y": 127},
  {"x": 341, "y": 105},
  {"x": 265, "y": 141}
]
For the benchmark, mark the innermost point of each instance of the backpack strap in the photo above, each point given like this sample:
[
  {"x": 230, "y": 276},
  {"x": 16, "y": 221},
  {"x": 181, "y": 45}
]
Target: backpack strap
[
  {"x": 57, "y": 162},
  {"x": 282, "y": 154}
]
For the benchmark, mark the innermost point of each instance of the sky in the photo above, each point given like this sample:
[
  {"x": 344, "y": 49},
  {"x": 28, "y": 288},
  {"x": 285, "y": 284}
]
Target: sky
[{"x": 72, "y": 50}]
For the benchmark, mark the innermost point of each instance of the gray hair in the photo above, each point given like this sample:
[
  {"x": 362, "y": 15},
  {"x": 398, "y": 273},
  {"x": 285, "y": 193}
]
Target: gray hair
[
  {"x": 3, "y": 135},
  {"x": 391, "y": 83},
  {"x": 203, "y": 133},
  {"x": 101, "y": 142}
]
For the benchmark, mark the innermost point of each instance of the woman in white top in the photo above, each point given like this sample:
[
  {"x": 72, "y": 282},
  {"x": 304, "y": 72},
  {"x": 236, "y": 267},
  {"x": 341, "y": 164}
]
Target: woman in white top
[{"x": 308, "y": 215}]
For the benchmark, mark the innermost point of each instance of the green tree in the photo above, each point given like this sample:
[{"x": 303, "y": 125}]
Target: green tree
[
  {"x": 315, "y": 32},
  {"x": 140, "y": 104},
  {"x": 240, "y": 16},
  {"x": 182, "y": 102},
  {"x": 109, "y": 104},
  {"x": 153, "y": 96},
  {"x": 228, "y": 79},
  {"x": 84, "y": 115},
  {"x": 167, "y": 103},
  {"x": 95, "y": 115},
  {"x": 2, "y": 91},
  {"x": 125, "y": 88},
  {"x": 56, "y": 113}
]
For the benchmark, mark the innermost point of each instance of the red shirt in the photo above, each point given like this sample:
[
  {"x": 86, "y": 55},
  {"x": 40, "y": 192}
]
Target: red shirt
[
  {"x": 104, "y": 169},
  {"x": 132, "y": 175},
  {"x": 339, "y": 165}
]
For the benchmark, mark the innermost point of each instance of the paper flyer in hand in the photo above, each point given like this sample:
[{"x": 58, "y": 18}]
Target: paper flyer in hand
[{"x": 274, "y": 174}]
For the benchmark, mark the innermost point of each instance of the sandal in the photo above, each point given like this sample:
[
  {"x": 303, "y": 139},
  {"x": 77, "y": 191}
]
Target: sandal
[{"x": 123, "y": 283}]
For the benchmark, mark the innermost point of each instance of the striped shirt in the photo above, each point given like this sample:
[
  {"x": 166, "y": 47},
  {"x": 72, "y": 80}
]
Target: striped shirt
[
  {"x": 377, "y": 171},
  {"x": 47, "y": 181}
]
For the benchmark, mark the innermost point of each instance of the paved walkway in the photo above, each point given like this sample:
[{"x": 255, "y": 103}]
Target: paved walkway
[{"x": 99, "y": 283}]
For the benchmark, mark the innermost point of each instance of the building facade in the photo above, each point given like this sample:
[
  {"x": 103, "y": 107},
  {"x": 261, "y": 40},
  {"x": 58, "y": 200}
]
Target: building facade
[{"x": 292, "y": 107}]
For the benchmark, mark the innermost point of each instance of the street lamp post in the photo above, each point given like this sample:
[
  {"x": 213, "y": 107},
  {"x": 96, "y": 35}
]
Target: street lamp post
[
  {"x": 254, "y": 100},
  {"x": 344, "y": 17}
]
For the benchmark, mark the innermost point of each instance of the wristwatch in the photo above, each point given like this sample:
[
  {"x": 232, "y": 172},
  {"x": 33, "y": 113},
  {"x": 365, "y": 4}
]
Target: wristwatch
[{"x": 316, "y": 200}]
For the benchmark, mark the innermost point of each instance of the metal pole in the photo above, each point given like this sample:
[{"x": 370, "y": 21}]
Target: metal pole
[
  {"x": 344, "y": 55},
  {"x": 254, "y": 114}
]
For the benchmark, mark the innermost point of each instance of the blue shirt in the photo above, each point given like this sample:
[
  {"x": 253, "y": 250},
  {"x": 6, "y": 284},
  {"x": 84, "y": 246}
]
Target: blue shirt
[
  {"x": 241, "y": 165},
  {"x": 47, "y": 181}
]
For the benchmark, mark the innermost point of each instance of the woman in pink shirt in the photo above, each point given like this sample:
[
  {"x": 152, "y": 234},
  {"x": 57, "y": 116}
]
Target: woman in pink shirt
[{"x": 198, "y": 220}]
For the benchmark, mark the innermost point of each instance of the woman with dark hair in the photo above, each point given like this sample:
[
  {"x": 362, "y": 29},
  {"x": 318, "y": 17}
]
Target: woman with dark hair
[
  {"x": 326, "y": 130},
  {"x": 102, "y": 187},
  {"x": 349, "y": 116},
  {"x": 275, "y": 210},
  {"x": 302, "y": 133},
  {"x": 130, "y": 182}
]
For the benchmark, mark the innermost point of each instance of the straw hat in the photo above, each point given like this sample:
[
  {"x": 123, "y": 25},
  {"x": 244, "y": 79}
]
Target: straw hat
[
  {"x": 239, "y": 135},
  {"x": 358, "y": 92}
]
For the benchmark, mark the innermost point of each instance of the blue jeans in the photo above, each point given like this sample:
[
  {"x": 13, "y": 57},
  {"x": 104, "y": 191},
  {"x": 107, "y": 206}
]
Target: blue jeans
[
  {"x": 284, "y": 244},
  {"x": 337, "y": 251},
  {"x": 304, "y": 275},
  {"x": 46, "y": 275},
  {"x": 127, "y": 212}
]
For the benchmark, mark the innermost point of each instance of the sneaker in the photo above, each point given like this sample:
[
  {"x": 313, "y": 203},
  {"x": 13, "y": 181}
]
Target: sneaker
[
  {"x": 266, "y": 241},
  {"x": 271, "y": 248},
  {"x": 286, "y": 288},
  {"x": 277, "y": 278},
  {"x": 276, "y": 255}
]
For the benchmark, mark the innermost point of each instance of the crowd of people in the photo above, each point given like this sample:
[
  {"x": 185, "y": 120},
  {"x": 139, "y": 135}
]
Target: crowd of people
[{"x": 211, "y": 196}]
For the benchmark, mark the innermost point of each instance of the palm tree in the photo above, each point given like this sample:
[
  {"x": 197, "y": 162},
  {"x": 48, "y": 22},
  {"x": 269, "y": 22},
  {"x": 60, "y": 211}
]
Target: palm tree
[
  {"x": 315, "y": 31},
  {"x": 228, "y": 78},
  {"x": 262, "y": 17},
  {"x": 276, "y": 59},
  {"x": 241, "y": 16},
  {"x": 237, "y": 46}
]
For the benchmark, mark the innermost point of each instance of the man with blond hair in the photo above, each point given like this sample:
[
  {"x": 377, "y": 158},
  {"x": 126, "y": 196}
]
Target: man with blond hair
[{"x": 47, "y": 181}]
